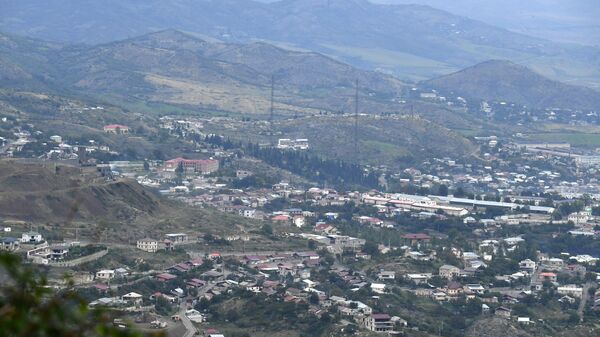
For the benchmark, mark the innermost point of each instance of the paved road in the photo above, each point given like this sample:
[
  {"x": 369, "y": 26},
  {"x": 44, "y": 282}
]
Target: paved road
[
  {"x": 584, "y": 298},
  {"x": 190, "y": 330},
  {"x": 189, "y": 326},
  {"x": 197, "y": 254}
]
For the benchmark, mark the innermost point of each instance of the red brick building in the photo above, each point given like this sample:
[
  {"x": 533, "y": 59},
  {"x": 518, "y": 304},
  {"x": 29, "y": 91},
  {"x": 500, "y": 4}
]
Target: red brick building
[{"x": 203, "y": 166}]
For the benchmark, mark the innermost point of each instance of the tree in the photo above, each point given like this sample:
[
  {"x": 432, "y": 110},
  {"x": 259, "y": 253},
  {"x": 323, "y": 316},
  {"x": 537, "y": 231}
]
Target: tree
[
  {"x": 443, "y": 190},
  {"x": 179, "y": 171},
  {"x": 32, "y": 309},
  {"x": 163, "y": 306},
  {"x": 371, "y": 248},
  {"x": 267, "y": 229}
]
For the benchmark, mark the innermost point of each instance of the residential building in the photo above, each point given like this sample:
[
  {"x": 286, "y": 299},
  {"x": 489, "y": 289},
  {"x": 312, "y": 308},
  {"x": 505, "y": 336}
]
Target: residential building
[
  {"x": 418, "y": 278},
  {"x": 570, "y": 290},
  {"x": 578, "y": 218},
  {"x": 386, "y": 275},
  {"x": 447, "y": 271},
  {"x": 377, "y": 322},
  {"x": 553, "y": 264},
  {"x": 547, "y": 277},
  {"x": 177, "y": 238},
  {"x": 106, "y": 274},
  {"x": 31, "y": 237},
  {"x": 116, "y": 129},
  {"x": 133, "y": 297},
  {"x": 527, "y": 265},
  {"x": 9, "y": 244},
  {"x": 454, "y": 289},
  {"x": 247, "y": 212},
  {"x": 148, "y": 245}
]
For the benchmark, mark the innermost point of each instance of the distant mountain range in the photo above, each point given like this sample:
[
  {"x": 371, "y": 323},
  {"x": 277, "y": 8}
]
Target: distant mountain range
[
  {"x": 177, "y": 68},
  {"x": 510, "y": 82},
  {"x": 410, "y": 41}
]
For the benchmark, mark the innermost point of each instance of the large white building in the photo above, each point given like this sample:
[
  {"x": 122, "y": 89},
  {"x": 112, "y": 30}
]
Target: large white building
[
  {"x": 293, "y": 144},
  {"x": 148, "y": 245},
  {"x": 571, "y": 290}
]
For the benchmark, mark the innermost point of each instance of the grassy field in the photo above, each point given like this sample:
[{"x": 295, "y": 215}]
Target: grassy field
[
  {"x": 409, "y": 65},
  {"x": 381, "y": 148},
  {"x": 234, "y": 97},
  {"x": 591, "y": 140}
]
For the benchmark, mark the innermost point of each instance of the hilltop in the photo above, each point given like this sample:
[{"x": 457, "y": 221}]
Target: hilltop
[
  {"x": 65, "y": 197},
  {"x": 411, "y": 41},
  {"x": 47, "y": 192},
  {"x": 506, "y": 81}
]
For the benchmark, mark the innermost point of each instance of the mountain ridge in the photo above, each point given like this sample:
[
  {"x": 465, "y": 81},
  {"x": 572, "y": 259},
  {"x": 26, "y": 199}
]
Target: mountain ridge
[
  {"x": 180, "y": 68},
  {"x": 410, "y": 41},
  {"x": 502, "y": 80}
]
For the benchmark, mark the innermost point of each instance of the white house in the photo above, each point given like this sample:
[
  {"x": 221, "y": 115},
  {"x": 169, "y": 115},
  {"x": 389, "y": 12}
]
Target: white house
[
  {"x": 579, "y": 218},
  {"x": 418, "y": 278},
  {"x": 387, "y": 275},
  {"x": 195, "y": 316},
  {"x": 571, "y": 290},
  {"x": 133, "y": 297},
  {"x": 469, "y": 220},
  {"x": 31, "y": 237},
  {"x": 106, "y": 274},
  {"x": 378, "y": 288},
  {"x": 247, "y": 212},
  {"x": 527, "y": 265}
]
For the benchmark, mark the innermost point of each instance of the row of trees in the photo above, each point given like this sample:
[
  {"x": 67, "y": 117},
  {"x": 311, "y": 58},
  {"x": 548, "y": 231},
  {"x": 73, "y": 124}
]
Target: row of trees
[{"x": 336, "y": 172}]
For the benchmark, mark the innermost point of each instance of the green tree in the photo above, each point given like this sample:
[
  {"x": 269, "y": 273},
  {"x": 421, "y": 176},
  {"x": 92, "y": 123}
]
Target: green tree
[
  {"x": 32, "y": 309},
  {"x": 371, "y": 248},
  {"x": 267, "y": 229},
  {"x": 180, "y": 173},
  {"x": 313, "y": 299}
]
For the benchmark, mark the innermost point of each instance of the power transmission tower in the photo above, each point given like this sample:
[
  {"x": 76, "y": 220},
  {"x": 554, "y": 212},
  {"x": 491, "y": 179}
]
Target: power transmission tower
[
  {"x": 272, "y": 111},
  {"x": 356, "y": 122}
]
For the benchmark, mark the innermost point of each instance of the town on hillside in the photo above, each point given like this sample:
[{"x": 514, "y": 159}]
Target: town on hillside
[{"x": 513, "y": 236}]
